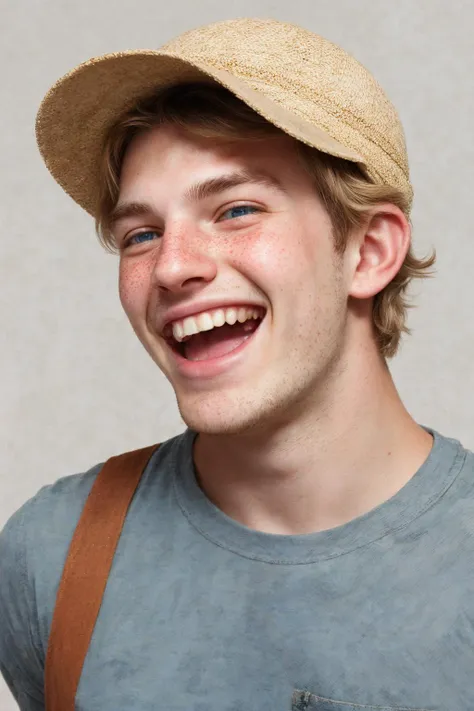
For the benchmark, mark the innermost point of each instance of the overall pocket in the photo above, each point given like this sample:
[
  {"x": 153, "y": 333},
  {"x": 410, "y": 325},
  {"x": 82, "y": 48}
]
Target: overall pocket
[{"x": 306, "y": 701}]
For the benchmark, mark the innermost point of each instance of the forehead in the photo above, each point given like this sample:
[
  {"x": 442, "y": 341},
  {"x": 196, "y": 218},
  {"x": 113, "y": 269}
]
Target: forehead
[
  {"x": 167, "y": 149},
  {"x": 164, "y": 167}
]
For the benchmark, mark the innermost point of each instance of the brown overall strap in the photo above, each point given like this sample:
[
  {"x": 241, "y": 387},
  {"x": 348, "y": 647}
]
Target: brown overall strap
[{"x": 86, "y": 572}]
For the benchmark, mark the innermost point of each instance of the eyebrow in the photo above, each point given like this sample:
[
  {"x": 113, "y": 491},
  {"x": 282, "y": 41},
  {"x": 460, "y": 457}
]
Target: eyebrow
[{"x": 197, "y": 192}]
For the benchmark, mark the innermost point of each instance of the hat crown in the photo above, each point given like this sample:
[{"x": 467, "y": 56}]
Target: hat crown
[
  {"x": 281, "y": 59},
  {"x": 301, "y": 82}
]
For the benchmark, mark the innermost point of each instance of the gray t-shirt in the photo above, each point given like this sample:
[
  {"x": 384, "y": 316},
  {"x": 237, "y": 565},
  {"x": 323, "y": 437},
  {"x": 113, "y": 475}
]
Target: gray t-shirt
[{"x": 202, "y": 613}]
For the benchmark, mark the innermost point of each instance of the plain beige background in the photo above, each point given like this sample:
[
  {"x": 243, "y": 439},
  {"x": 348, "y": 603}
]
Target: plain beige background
[{"x": 77, "y": 386}]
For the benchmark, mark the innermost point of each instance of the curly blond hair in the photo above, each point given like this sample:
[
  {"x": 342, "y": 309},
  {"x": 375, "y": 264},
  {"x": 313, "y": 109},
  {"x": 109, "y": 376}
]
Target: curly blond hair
[{"x": 208, "y": 110}]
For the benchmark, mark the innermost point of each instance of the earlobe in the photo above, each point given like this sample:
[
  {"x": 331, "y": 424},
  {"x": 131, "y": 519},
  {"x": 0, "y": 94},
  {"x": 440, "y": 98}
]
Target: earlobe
[{"x": 381, "y": 251}]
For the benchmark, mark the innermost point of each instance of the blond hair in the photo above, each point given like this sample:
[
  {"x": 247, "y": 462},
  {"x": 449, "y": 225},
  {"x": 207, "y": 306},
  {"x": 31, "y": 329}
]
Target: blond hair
[{"x": 210, "y": 111}]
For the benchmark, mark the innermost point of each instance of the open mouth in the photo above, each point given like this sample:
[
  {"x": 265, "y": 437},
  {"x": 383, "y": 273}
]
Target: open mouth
[{"x": 216, "y": 341}]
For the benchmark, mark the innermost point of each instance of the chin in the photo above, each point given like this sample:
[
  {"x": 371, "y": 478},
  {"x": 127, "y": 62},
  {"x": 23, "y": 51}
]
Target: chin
[
  {"x": 225, "y": 415},
  {"x": 217, "y": 422}
]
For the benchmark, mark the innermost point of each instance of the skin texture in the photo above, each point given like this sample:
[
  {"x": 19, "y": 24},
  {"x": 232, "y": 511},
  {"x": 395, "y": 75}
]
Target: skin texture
[{"x": 306, "y": 431}]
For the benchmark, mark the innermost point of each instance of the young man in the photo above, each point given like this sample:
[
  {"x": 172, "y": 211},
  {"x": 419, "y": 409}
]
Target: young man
[{"x": 304, "y": 544}]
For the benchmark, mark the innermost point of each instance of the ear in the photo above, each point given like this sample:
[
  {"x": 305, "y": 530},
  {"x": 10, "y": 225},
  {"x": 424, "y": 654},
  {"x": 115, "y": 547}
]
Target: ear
[{"x": 379, "y": 250}]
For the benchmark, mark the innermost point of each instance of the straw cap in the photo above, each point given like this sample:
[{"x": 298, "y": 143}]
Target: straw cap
[{"x": 300, "y": 82}]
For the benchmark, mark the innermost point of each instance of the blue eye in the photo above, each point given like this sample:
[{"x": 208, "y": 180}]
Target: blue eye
[
  {"x": 239, "y": 211},
  {"x": 138, "y": 235}
]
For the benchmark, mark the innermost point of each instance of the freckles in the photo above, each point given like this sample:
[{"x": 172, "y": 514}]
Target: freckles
[
  {"x": 133, "y": 281},
  {"x": 261, "y": 248}
]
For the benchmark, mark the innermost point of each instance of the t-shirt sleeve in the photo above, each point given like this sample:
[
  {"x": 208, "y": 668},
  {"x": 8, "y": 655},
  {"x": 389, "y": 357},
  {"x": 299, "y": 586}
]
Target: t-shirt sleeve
[{"x": 21, "y": 653}]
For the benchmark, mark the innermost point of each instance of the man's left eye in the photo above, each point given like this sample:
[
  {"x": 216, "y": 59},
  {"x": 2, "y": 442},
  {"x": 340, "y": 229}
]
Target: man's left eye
[{"x": 238, "y": 211}]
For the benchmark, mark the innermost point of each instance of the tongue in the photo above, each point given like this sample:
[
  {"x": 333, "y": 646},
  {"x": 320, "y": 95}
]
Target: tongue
[{"x": 219, "y": 341}]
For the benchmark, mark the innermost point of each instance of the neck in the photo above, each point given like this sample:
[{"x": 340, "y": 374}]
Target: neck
[{"x": 347, "y": 452}]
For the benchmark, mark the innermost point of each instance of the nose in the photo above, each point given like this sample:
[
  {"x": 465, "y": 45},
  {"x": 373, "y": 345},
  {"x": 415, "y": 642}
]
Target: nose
[{"x": 183, "y": 262}]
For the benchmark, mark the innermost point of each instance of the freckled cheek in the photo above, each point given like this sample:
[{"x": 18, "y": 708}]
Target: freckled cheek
[
  {"x": 263, "y": 251},
  {"x": 134, "y": 282}
]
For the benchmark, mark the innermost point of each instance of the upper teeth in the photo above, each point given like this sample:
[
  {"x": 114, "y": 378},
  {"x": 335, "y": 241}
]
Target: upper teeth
[{"x": 209, "y": 319}]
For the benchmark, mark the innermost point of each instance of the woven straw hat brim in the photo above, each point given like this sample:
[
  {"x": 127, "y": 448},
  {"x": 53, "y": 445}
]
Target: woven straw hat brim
[{"x": 78, "y": 111}]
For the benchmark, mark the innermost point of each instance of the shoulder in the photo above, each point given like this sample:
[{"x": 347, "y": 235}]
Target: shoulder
[
  {"x": 49, "y": 516},
  {"x": 458, "y": 460},
  {"x": 464, "y": 488},
  {"x": 36, "y": 537},
  {"x": 33, "y": 547},
  {"x": 39, "y": 533},
  {"x": 52, "y": 504},
  {"x": 449, "y": 517}
]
